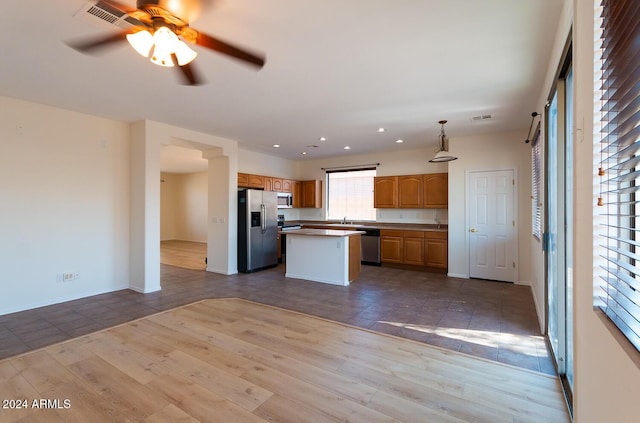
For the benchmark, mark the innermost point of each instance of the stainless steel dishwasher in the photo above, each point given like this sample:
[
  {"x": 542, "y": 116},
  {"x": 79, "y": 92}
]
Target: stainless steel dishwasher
[{"x": 370, "y": 246}]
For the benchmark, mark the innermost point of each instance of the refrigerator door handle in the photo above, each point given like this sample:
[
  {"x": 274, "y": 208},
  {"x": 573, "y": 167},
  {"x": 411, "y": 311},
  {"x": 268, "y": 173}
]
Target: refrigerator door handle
[{"x": 263, "y": 214}]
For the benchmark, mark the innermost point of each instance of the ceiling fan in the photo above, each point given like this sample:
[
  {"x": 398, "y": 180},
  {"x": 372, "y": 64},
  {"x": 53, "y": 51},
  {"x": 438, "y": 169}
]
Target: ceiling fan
[{"x": 160, "y": 29}]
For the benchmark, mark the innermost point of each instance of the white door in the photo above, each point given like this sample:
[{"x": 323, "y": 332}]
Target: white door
[{"x": 491, "y": 225}]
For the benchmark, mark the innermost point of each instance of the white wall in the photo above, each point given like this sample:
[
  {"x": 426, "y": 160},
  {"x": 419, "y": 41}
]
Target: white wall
[
  {"x": 64, "y": 200},
  {"x": 169, "y": 187},
  {"x": 401, "y": 162},
  {"x": 184, "y": 206},
  {"x": 607, "y": 380},
  {"x": 265, "y": 164},
  {"x": 489, "y": 152}
]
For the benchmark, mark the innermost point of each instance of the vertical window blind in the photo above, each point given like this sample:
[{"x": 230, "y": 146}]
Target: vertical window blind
[
  {"x": 536, "y": 180},
  {"x": 620, "y": 164}
]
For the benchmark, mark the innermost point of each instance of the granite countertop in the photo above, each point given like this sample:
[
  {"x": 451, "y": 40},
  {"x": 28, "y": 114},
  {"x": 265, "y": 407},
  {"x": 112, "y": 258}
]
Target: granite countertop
[
  {"x": 375, "y": 225},
  {"x": 324, "y": 232}
]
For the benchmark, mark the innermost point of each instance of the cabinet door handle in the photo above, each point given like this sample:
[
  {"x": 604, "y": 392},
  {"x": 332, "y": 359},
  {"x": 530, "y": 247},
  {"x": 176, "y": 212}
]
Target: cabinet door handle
[{"x": 473, "y": 230}]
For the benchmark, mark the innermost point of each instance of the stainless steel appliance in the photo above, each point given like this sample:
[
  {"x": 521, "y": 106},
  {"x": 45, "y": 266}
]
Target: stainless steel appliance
[
  {"x": 285, "y": 200},
  {"x": 257, "y": 230},
  {"x": 370, "y": 246}
]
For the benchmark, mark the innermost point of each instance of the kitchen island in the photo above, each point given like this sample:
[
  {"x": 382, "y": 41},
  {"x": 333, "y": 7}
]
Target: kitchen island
[{"x": 323, "y": 255}]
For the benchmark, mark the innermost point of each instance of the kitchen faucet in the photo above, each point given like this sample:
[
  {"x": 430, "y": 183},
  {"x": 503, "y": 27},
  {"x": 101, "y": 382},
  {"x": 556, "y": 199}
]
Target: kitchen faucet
[{"x": 344, "y": 220}]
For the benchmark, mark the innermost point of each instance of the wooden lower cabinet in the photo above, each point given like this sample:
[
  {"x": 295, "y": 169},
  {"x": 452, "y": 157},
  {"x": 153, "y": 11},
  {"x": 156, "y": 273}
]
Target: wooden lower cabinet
[
  {"x": 416, "y": 248},
  {"x": 436, "y": 246},
  {"x": 413, "y": 248},
  {"x": 391, "y": 246}
]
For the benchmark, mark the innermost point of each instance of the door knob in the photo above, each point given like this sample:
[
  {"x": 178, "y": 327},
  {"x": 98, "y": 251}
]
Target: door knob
[{"x": 473, "y": 230}]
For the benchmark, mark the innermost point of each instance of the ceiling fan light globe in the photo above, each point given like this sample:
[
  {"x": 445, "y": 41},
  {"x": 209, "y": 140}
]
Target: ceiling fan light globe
[
  {"x": 161, "y": 58},
  {"x": 166, "y": 41},
  {"x": 184, "y": 53},
  {"x": 141, "y": 41}
]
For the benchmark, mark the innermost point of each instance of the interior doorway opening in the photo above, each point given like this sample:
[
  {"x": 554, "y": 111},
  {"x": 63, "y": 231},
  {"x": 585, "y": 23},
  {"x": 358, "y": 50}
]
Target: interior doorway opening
[{"x": 183, "y": 207}]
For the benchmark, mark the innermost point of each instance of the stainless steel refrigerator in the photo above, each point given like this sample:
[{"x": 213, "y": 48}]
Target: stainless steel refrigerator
[{"x": 257, "y": 230}]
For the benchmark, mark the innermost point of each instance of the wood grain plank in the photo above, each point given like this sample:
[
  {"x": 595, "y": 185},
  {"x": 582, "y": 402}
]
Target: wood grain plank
[
  {"x": 132, "y": 398},
  {"x": 232, "y": 360},
  {"x": 199, "y": 402},
  {"x": 326, "y": 403},
  {"x": 245, "y": 394},
  {"x": 329, "y": 381},
  {"x": 170, "y": 414}
]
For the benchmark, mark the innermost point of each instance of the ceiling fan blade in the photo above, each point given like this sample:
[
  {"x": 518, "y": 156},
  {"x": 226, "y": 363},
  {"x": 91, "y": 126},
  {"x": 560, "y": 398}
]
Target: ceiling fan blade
[
  {"x": 97, "y": 43},
  {"x": 223, "y": 47},
  {"x": 189, "y": 76}
]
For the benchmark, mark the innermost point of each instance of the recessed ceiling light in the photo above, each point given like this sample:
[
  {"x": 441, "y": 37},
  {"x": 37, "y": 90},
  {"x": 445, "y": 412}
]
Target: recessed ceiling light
[
  {"x": 276, "y": 145},
  {"x": 304, "y": 153},
  {"x": 322, "y": 139},
  {"x": 381, "y": 129},
  {"x": 399, "y": 141},
  {"x": 346, "y": 147}
]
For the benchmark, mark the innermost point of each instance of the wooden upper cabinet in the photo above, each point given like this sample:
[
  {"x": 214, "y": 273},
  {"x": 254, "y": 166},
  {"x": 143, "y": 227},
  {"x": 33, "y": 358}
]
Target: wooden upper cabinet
[
  {"x": 256, "y": 181},
  {"x": 277, "y": 185},
  {"x": 287, "y": 185},
  {"x": 243, "y": 180},
  {"x": 296, "y": 193},
  {"x": 435, "y": 191},
  {"x": 268, "y": 183},
  {"x": 385, "y": 192},
  {"x": 410, "y": 191},
  {"x": 311, "y": 193}
]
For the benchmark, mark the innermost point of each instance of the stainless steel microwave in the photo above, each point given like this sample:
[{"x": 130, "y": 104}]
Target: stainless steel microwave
[{"x": 285, "y": 200}]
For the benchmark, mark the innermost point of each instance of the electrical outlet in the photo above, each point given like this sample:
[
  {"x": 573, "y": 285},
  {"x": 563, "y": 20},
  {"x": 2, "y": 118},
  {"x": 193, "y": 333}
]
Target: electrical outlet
[{"x": 67, "y": 277}]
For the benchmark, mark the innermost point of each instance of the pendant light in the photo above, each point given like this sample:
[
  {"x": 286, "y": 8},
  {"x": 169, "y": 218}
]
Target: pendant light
[{"x": 443, "y": 154}]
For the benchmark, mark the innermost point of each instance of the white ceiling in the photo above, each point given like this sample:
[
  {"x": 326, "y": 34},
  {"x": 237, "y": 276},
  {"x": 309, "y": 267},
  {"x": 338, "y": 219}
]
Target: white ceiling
[{"x": 334, "y": 68}]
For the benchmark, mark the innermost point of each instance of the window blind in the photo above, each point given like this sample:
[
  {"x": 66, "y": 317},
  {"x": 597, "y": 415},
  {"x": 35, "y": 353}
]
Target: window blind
[
  {"x": 536, "y": 180},
  {"x": 620, "y": 157},
  {"x": 350, "y": 194}
]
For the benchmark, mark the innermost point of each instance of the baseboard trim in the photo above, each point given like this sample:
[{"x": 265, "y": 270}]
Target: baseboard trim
[
  {"x": 458, "y": 275},
  {"x": 221, "y": 272}
]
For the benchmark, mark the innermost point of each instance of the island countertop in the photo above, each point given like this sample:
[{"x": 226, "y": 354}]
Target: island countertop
[{"x": 323, "y": 232}]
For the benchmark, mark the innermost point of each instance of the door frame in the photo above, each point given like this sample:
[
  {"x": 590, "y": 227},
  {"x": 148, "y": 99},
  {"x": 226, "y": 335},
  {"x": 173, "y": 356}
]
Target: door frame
[{"x": 516, "y": 236}]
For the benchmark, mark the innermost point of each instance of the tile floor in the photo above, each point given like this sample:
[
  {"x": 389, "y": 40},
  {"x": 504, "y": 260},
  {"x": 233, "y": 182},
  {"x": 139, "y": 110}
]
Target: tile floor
[{"x": 493, "y": 320}]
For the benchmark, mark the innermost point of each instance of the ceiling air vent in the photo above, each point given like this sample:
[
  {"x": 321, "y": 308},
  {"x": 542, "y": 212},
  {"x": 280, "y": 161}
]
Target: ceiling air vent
[
  {"x": 481, "y": 118},
  {"x": 99, "y": 11}
]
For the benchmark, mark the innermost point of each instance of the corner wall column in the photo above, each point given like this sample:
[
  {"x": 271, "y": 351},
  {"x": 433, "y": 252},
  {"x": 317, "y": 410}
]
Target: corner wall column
[
  {"x": 222, "y": 239},
  {"x": 144, "y": 270}
]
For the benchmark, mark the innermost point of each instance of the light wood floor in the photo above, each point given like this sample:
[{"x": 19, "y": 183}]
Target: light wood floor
[
  {"x": 232, "y": 360},
  {"x": 185, "y": 254}
]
